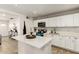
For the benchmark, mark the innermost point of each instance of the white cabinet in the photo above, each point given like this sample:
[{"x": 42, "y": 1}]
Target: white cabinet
[
  {"x": 65, "y": 42},
  {"x": 76, "y": 19},
  {"x": 76, "y": 45},
  {"x": 62, "y": 41},
  {"x": 54, "y": 22},
  {"x": 67, "y": 20},
  {"x": 59, "y": 41},
  {"x": 60, "y": 21},
  {"x": 51, "y": 22},
  {"x": 69, "y": 43},
  {"x": 55, "y": 40},
  {"x": 48, "y": 22}
]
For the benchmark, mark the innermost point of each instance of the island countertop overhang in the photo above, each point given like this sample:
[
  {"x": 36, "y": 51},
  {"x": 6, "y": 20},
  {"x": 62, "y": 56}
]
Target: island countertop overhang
[{"x": 37, "y": 42}]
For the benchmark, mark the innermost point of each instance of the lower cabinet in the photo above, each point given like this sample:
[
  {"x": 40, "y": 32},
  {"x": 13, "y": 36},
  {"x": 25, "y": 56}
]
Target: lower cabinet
[
  {"x": 59, "y": 41},
  {"x": 76, "y": 45},
  {"x": 55, "y": 40},
  {"x": 69, "y": 43},
  {"x": 62, "y": 41}
]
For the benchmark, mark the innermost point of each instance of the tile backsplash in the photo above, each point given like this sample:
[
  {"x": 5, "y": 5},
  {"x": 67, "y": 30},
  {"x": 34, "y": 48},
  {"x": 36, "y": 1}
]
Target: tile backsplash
[{"x": 66, "y": 30}]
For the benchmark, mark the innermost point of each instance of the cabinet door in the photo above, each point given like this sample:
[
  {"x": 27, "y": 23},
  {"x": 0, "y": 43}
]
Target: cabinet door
[
  {"x": 62, "y": 42},
  {"x": 54, "y": 40},
  {"x": 69, "y": 43},
  {"x": 67, "y": 20},
  {"x": 54, "y": 22},
  {"x": 58, "y": 22},
  {"x": 76, "y": 19},
  {"x": 59, "y": 41},
  {"x": 77, "y": 45},
  {"x": 51, "y": 22}
]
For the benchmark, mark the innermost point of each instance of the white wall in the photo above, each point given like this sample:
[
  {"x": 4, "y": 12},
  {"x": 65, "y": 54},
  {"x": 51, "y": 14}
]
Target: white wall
[{"x": 4, "y": 28}]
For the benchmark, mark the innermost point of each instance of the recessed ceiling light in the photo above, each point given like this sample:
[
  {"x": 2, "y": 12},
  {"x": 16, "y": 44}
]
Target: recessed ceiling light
[
  {"x": 3, "y": 25},
  {"x": 3, "y": 14},
  {"x": 34, "y": 12}
]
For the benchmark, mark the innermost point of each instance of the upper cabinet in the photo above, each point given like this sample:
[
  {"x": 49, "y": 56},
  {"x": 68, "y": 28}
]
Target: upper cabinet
[
  {"x": 67, "y": 20},
  {"x": 51, "y": 22},
  {"x": 60, "y": 21},
  {"x": 76, "y": 19}
]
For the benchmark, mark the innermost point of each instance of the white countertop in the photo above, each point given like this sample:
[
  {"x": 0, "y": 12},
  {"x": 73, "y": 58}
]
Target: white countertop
[{"x": 38, "y": 42}]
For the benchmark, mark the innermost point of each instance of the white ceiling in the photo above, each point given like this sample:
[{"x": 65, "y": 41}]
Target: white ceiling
[
  {"x": 34, "y": 10},
  {"x": 6, "y": 16}
]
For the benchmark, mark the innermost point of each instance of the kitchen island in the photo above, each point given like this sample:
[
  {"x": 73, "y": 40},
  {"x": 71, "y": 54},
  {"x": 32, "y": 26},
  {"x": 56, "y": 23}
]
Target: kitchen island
[{"x": 38, "y": 45}]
